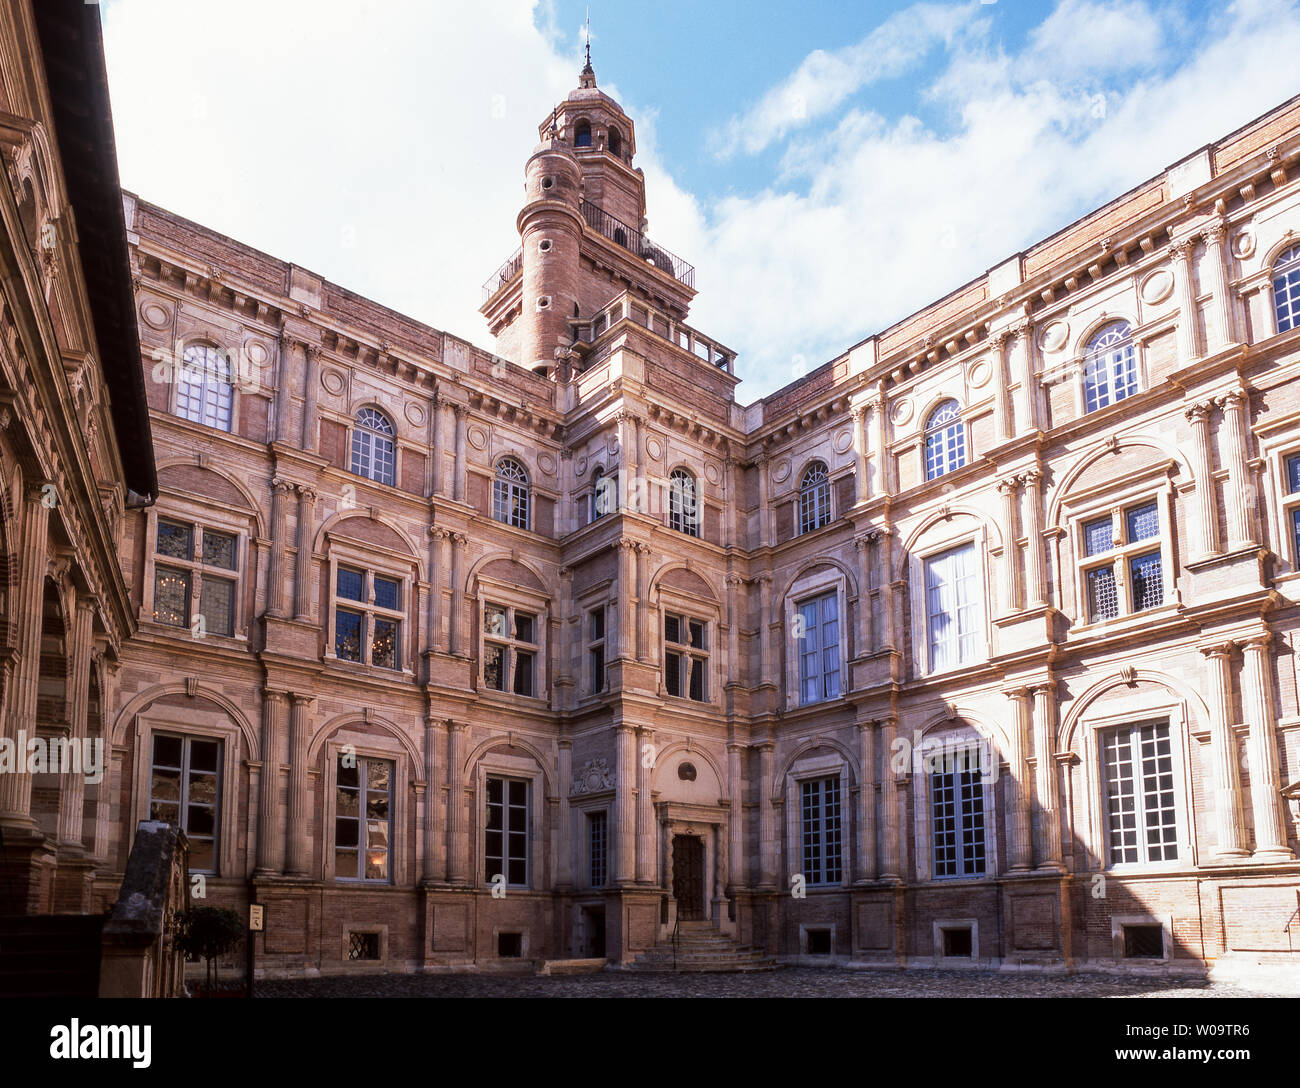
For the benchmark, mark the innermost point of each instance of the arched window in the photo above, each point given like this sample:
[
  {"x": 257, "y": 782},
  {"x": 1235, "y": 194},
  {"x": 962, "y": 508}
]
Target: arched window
[
  {"x": 203, "y": 389},
  {"x": 683, "y": 509},
  {"x": 945, "y": 441},
  {"x": 1286, "y": 289},
  {"x": 615, "y": 141},
  {"x": 1109, "y": 368},
  {"x": 510, "y": 494},
  {"x": 373, "y": 450},
  {"x": 582, "y": 134},
  {"x": 814, "y": 498},
  {"x": 604, "y": 494}
]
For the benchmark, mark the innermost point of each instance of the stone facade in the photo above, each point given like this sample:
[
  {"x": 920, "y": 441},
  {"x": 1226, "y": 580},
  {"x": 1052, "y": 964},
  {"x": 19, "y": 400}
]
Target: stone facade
[{"x": 709, "y": 660}]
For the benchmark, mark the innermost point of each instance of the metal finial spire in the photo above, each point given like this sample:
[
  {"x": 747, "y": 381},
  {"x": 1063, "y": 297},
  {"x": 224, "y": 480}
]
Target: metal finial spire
[{"x": 588, "y": 36}]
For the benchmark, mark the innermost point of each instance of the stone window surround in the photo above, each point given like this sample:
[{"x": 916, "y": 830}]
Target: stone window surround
[
  {"x": 380, "y": 931},
  {"x": 366, "y": 746},
  {"x": 201, "y": 515},
  {"x": 673, "y": 601},
  {"x": 581, "y": 807},
  {"x": 978, "y": 536},
  {"x": 1114, "y": 497},
  {"x": 939, "y": 925},
  {"x": 817, "y": 764},
  {"x": 497, "y": 764},
  {"x": 374, "y": 560},
  {"x": 492, "y": 591},
  {"x": 595, "y": 596},
  {"x": 1092, "y": 795},
  {"x": 945, "y": 736},
  {"x": 174, "y": 385},
  {"x": 1119, "y": 921},
  {"x": 801, "y": 590},
  {"x": 205, "y": 725},
  {"x": 1275, "y": 451}
]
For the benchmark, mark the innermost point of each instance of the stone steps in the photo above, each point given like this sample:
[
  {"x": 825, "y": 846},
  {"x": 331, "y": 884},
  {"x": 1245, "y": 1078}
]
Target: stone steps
[{"x": 702, "y": 948}]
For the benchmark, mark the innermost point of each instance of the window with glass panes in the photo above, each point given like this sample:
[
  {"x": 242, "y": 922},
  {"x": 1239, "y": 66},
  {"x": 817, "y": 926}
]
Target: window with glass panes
[
  {"x": 510, "y": 494},
  {"x": 204, "y": 392},
  {"x": 598, "y": 844},
  {"x": 363, "y": 818},
  {"x": 819, "y": 648},
  {"x": 374, "y": 449},
  {"x": 511, "y": 650},
  {"x": 185, "y": 791},
  {"x": 815, "y": 499},
  {"x": 957, "y": 815},
  {"x": 1137, "y": 772},
  {"x": 367, "y": 617},
  {"x": 1109, "y": 367},
  {"x": 1122, "y": 562},
  {"x": 953, "y": 607},
  {"x": 505, "y": 844},
  {"x": 819, "y": 806},
  {"x": 683, "y": 504},
  {"x": 1286, "y": 289},
  {"x": 192, "y": 561},
  {"x": 686, "y": 657},
  {"x": 596, "y": 650},
  {"x": 945, "y": 440}
]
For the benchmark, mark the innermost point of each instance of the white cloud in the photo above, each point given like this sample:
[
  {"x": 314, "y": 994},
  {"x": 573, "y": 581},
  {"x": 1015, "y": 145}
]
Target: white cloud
[
  {"x": 1094, "y": 39},
  {"x": 826, "y": 79}
]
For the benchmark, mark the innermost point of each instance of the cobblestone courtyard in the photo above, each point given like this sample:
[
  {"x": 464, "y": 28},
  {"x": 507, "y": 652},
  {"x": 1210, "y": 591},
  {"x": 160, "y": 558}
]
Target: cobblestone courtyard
[{"x": 791, "y": 982}]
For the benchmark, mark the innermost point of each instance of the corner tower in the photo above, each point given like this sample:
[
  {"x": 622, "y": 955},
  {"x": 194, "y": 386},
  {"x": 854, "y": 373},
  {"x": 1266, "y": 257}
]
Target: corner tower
[{"x": 582, "y": 233}]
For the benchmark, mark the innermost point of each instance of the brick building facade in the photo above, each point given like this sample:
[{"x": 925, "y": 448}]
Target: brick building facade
[
  {"x": 75, "y": 452},
  {"x": 974, "y": 646}
]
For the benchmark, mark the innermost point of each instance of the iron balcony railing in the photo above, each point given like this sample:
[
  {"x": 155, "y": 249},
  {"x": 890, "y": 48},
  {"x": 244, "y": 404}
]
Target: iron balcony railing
[
  {"x": 621, "y": 234},
  {"x": 502, "y": 275}
]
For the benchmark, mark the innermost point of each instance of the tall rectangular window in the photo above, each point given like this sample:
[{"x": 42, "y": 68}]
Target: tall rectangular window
[
  {"x": 819, "y": 648},
  {"x": 195, "y": 561},
  {"x": 820, "y": 812},
  {"x": 363, "y": 820},
  {"x": 598, "y": 841},
  {"x": 1138, "y": 774},
  {"x": 510, "y": 649},
  {"x": 368, "y": 617},
  {"x": 953, "y": 607},
  {"x": 957, "y": 815},
  {"x": 184, "y": 791},
  {"x": 505, "y": 844},
  {"x": 686, "y": 657},
  {"x": 596, "y": 650},
  {"x": 1292, "y": 504}
]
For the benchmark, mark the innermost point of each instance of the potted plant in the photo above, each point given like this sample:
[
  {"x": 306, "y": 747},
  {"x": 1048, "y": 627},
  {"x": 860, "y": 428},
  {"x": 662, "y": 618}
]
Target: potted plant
[{"x": 210, "y": 932}]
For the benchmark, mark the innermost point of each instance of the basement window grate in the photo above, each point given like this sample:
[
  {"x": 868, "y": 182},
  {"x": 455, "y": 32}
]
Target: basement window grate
[
  {"x": 957, "y": 942},
  {"x": 363, "y": 946},
  {"x": 1145, "y": 942}
]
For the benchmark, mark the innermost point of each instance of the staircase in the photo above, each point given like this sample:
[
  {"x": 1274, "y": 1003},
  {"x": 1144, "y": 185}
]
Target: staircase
[
  {"x": 700, "y": 947},
  {"x": 50, "y": 955}
]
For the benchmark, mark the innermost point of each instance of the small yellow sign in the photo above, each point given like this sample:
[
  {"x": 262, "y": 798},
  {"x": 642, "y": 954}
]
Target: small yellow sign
[{"x": 256, "y": 917}]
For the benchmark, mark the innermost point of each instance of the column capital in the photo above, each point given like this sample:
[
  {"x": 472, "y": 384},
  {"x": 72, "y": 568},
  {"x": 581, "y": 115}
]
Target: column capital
[
  {"x": 1180, "y": 250},
  {"x": 734, "y": 580},
  {"x": 625, "y": 727},
  {"x": 270, "y": 695},
  {"x": 1030, "y": 477},
  {"x": 626, "y": 544},
  {"x": 1043, "y": 687},
  {"x": 859, "y": 411},
  {"x": 1199, "y": 412},
  {"x": 1022, "y": 692},
  {"x": 1215, "y": 233},
  {"x": 1008, "y": 485},
  {"x": 459, "y": 410},
  {"x": 454, "y": 726},
  {"x": 459, "y": 539},
  {"x": 439, "y": 533},
  {"x": 307, "y": 493},
  {"x": 300, "y": 699},
  {"x": 281, "y": 486},
  {"x": 1219, "y": 649}
]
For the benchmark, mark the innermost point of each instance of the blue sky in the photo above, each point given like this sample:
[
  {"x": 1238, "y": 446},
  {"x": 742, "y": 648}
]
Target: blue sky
[{"x": 828, "y": 167}]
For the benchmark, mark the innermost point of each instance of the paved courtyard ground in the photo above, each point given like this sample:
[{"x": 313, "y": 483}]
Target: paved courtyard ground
[{"x": 791, "y": 982}]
